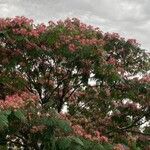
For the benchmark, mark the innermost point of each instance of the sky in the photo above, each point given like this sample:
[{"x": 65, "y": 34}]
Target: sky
[{"x": 129, "y": 18}]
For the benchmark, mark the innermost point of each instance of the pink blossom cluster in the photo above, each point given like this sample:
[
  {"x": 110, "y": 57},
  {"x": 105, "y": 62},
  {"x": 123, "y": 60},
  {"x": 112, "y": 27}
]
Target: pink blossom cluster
[
  {"x": 21, "y": 31},
  {"x": 111, "y": 36},
  {"x": 112, "y": 61},
  {"x": 120, "y": 147},
  {"x": 78, "y": 130},
  {"x": 21, "y": 21},
  {"x": 72, "y": 47},
  {"x": 41, "y": 28},
  {"x": 72, "y": 24},
  {"x": 34, "y": 32},
  {"x": 145, "y": 79},
  {"x": 67, "y": 39},
  {"x": 82, "y": 40},
  {"x": 22, "y": 26},
  {"x": 17, "y": 101},
  {"x": 67, "y": 23},
  {"x": 133, "y": 42},
  {"x": 17, "y": 21},
  {"x": 38, "y": 30},
  {"x": 116, "y": 36},
  {"x": 4, "y": 23},
  {"x": 38, "y": 128},
  {"x": 64, "y": 116}
]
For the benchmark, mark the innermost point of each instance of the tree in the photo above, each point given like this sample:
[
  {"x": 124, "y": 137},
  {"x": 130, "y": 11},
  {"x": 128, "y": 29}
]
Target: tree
[{"x": 102, "y": 79}]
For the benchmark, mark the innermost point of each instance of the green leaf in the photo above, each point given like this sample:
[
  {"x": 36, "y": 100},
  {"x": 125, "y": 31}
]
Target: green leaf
[
  {"x": 4, "y": 147},
  {"x": 69, "y": 143},
  {"x": 88, "y": 145},
  {"x": 77, "y": 141},
  {"x": 54, "y": 122},
  {"x": 63, "y": 143},
  {"x": 64, "y": 125},
  {"x": 98, "y": 147},
  {"x": 52, "y": 38},
  {"x": 3, "y": 121},
  {"x": 5, "y": 112},
  {"x": 20, "y": 115},
  {"x": 108, "y": 146}
]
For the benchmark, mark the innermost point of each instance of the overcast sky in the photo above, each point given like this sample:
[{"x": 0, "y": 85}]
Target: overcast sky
[{"x": 130, "y": 18}]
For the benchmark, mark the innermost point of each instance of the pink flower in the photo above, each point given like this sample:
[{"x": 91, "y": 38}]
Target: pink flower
[
  {"x": 78, "y": 130},
  {"x": 119, "y": 147},
  {"x": 41, "y": 28},
  {"x": 17, "y": 101},
  {"x": 97, "y": 133},
  {"x": 103, "y": 139},
  {"x": 145, "y": 79},
  {"x": 88, "y": 136},
  {"x": 72, "y": 48},
  {"x": 133, "y": 42},
  {"x": 111, "y": 36},
  {"x": 112, "y": 61},
  {"x": 34, "y": 33},
  {"x": 21, "y": 20}
]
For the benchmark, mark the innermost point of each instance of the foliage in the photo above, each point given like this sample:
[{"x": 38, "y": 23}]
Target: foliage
[{"x": 102, "y": 79}]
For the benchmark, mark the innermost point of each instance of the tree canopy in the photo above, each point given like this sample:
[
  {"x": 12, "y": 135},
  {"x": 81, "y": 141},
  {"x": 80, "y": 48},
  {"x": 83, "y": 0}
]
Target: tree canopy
[{"x": 102, "y": 79}]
